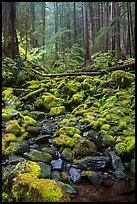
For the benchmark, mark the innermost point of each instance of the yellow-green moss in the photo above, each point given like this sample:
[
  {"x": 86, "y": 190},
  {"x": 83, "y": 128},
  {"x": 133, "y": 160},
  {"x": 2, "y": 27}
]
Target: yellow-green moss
[
  {"x": 84, "y": 148},
  {"x": 58, "y": 110},
  {"x": 122, "y": 78},
  {"x": 68, "y": 120},
  {"x": 105, "y": 127},
  {"x": 122, "y": 125},
  {"x": 80, "y": 112},
  {"x": 11, "y": 148},
  {"x": 108, "y": 140},
  {"x": 63, "y": 140},
  {"x": 13, "y": 127},
  {"x": 51, "y": 101},
  {"x": 77, "y": 98},
  {"x": 28, "y": 121},
  {"x": 7, "y": 95},
  {"x": 28, "y": 96},
  {"x": 85, "y": 85},
  {"x": 95, "y": 124},
  {"x": 69, "y": 131}
]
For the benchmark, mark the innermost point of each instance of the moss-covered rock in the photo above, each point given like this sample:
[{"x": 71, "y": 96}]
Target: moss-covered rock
[
  {"x": 27, "y": 120},
  {"x": 13, "y": 127},
  {"x": 66, "y": 141},
  {"x": 39, "y": 104},
  {"x": 85, "y": 85},
  {"x": 27, "y": 187},
  {"x": 67, "y": 154},
  {"x": 122, "y": 78},
  {"x": 58, "y": 110},
  {"x": 105, "y": 127},
  {"x": 69, "y": 131},
  {"x": 84, "y": 148},
  {"x": 108, "y": 140},
  {"x": 7, "y": 95},
  {"x": 126, "y": 146},
  {"x": 39, "y": 156},
  {"x": 77, "y": 98},
  {"x": 122, "y": 125}
]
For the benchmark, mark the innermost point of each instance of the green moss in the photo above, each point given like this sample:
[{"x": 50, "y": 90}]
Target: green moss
[
  {"x": 24, "y": 136},
  {"x": 122, "y": 125},
  {"x": 7, "y": 95},
  {"x": 40, "y": 156},
  {"x": 10, "y": 149},
  {"x": 77, "y": 98},
  {"x": 67, "y": 153},
  {"x": 80, "y": 112},
  {"x": 51, "y": 101},
  {"x": 84, "y": 148},
  {"x": 13, "y": 127},
  {"x": 108, "y": 140},
  {"x": 132, "y": 166},
  {"x": 69, "y": 131},
  {"x": 39, "y": 103},
  {"x": 126, "y": 147},
  {"x": 101, "y": 120},
  {"x": 30, "y": 95},
  {"x": 28, "y": 121},
  {"x": 85, "y": 85},
  {"x": 63, "y": 140},
  {"x": 105, "y": 127},
  {"x": 122, "y": 78},
  {"x": 58, "y": 110},
  {"x": 68, "y": 120},
  {"x": 95, "y": 124}
]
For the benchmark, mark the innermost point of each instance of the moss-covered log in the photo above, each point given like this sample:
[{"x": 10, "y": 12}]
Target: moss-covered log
[
  {"x": 114, "y": 68},
  {"x": 26, "y": 97}
]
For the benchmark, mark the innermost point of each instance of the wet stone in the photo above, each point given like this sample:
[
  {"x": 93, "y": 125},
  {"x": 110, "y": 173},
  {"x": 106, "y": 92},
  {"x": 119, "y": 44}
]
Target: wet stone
[
  {"x": 116, "y": 161},
  {"x": 57, "y": 164},
  {"x": 75, "y": 175},
  {"x": 42, "y": 139},
  {"x": 96, "y": 179},
  {"x": 120, "y": 174},
  {"x": 46, "y": 129},
  {"x": 33, "y": 130},
  {"x": 45, "y": 170}
]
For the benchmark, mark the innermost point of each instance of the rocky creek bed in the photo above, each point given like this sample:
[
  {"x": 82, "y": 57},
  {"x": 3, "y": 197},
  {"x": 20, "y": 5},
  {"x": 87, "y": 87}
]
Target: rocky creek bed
[{"x": 69, "y": 139}]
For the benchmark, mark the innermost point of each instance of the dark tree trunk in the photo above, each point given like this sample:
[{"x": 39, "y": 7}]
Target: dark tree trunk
[
  {"x": 132, "y": 30},
  {"x": 56, "y": 26},
  {"x": 118, "y": 48},
  {"x": 75, "y": 30},
  {"x": 91, "y": 30},
  {"x": 86, "y": 34},
  {"x": 113, "y": 31},
  {"x": 43, "y": 23},
  {"x": 10, "y": 48},
  {"x": 33, "y": 41}
]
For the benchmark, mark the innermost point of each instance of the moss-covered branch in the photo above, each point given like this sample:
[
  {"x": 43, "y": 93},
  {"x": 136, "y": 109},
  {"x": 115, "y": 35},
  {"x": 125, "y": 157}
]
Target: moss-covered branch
[{"x": 26, "y": 97}]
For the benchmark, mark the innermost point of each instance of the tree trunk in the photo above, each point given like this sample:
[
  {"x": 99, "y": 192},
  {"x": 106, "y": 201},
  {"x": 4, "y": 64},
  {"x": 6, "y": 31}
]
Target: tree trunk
[
  {"x": 86, "y": 34},
  {"x": 75, "y": 30},
  {"x": 33, "y": 41},
  {"x": 113, "y": 31},
  {"x": 43, "y": 23},
  {"x": 132, "y": 30},
  {"x": 56, "y": 26},
  {"x": 11, "y": 48},
  {"x": 117, "y": 27},
  {"x": 91, "y": 30}
]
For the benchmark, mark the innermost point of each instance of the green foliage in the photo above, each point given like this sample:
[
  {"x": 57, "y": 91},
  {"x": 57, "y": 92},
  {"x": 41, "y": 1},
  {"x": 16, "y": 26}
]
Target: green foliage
[{"x": 103, "y": 60}]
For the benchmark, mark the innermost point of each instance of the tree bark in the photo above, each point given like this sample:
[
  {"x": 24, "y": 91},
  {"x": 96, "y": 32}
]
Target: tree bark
[
  {"x": 91, "y": 30},
  {"x": 11, "y": 48},
  {"x": 33, "y": 41}
]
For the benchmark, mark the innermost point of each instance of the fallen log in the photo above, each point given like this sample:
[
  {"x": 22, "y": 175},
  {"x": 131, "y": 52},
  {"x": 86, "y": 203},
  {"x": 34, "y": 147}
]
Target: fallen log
[
  {"x": 101, "y": 72},
  {"x": 120, "y": 67}
]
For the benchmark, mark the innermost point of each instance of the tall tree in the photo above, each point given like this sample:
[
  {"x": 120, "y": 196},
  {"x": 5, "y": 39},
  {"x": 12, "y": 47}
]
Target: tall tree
[
  {"x": 90, "y": 30},
  {"x": 117, "y": 27},
  {"x": 43, "y": 23},
  {"x": 10, "y": 48},
  {"x": 86, "y": 33},
  {"x": 33, "y": 40}
]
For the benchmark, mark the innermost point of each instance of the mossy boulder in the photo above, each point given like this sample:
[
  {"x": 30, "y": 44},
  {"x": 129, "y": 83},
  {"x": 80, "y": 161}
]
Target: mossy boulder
[
  {"x": 126, "y": 147},
  {"x": 13, "y": 127},
  {"x": 105, "y": 127},
  {"x": 39, "y": 104},
  {"x": 122, "y": 125},
  {"x": 122, "y": 78},
  {"x": 7, "y": 95},
  {"x": 67, "y": 154},
  {"x": 108, "y": 140},
  {"x": 66, "y": 141},
  {"x": 27, "y": 120},
  {"x": 27, "y": 187},
  {"x": 39, "y": 156},
  {"x": 84, "y": 148},
  {"x": 77, "y": 98},
  {"x": 58, "y": 110},
  {"x": 68, "y": 130}
]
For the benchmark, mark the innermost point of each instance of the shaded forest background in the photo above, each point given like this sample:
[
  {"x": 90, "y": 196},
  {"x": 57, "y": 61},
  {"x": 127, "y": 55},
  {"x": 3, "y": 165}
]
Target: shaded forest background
[{"x": 58, "y": 36}]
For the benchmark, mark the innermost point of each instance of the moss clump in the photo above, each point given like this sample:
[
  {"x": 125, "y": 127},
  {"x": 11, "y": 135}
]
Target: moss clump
[
  {"x": 85, "y": 85},
  {"x": 67, "y": 154},
  {"x": 101, "y": 120},
  {"x": 126, "y": 147},
  {"x": 66, "y": 141},
  {"x": 108, "y": 140},
  {"x": 40, "y": 156},
  {"x": 7, "y": 95},
  {"x": 69, "y": 131},
  {"x": 27, "y": 120},
  {"x": 105, "y": 127},
  {"x": 122, "y": 78},
  {"x": 77, "y": 98},
  {"x": 30, "y": 95},
  {"x": 95, "y": 124},
  {"x": 84, "y": 148},
  {"x": 13, "y": 127},
  {"x": 122, "y": 125},
  {"x": 58, "y": 110},
  {"x": 68, "y": 120},
  {"x": 39, "y": 104},
  {"x": 13, "y": 146},
  {"x": 80, "y": 112}
]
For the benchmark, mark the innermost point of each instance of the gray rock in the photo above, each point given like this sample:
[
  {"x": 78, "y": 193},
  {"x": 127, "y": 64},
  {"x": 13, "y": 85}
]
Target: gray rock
[
  {"x": 45, "y": 170},
  {"x": 95, "y": 178},
  {"x": 75, "y": 175},
  {"x": 116, "y": 161},
  {"x": 42, "y": 139},
  {"x": 57, "y": 164},
  {"x": 120, "y": 174},
  {"x": 46, "y": 129}
]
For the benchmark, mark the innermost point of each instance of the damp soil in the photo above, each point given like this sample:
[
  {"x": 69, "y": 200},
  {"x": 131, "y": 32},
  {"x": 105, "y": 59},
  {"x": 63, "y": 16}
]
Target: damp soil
[{"x": 113, "y": 191}]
